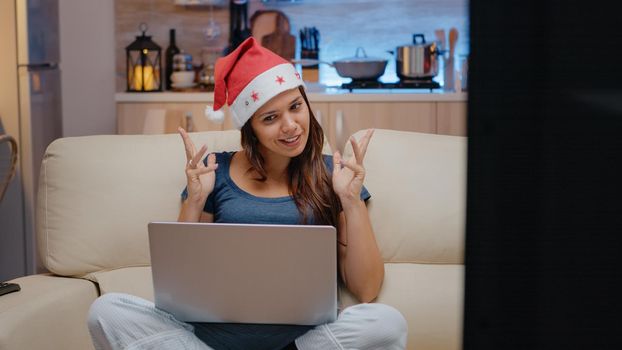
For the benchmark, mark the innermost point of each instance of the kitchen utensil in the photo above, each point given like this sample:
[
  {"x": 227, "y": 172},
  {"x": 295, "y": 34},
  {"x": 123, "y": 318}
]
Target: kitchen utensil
[
  {"x": 440, "y": 37},
  {"x": 417, "y": 61},
  {"x": 449, "y": 63},
  {"x": 315, "y": 36},
  {"x": 183, "y": 78},
  {"x": 264, "y": 22},
  {"x": 453, "y": 37},
  {"x": 280, "y": 41},
  {"x": 359, "y": 67},
  {"x": 449, "y": 74},
  {"x": 309, "y": 48},
  {"x": 309, "y": 39},
  {"x": 283, "y": 44}
]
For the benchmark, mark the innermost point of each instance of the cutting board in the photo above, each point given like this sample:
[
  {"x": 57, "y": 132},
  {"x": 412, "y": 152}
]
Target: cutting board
[
  {"x": 263, "y": 22},
  {"x": 271, "y": 28},
  {"x": 283, "y": 44}
]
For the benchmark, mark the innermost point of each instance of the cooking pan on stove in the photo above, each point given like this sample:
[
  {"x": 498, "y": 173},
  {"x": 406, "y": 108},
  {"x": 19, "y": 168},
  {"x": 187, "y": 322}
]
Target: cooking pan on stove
[
  {"x": 417, "y": 61},
  {"x": 359, "y": 67}
]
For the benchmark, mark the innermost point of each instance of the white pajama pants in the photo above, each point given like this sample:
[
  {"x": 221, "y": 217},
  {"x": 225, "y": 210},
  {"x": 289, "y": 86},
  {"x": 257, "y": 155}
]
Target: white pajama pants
[{"x": 123, "y": 321}]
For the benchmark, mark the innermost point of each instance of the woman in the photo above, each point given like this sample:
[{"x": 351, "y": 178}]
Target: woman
[{"x": 279, "y": 177}]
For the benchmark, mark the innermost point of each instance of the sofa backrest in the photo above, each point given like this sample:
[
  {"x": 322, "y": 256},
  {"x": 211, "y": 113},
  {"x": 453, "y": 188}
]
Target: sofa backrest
[
  {"x": 417, "y": 183},
  {"x": 97, "y": 194}
]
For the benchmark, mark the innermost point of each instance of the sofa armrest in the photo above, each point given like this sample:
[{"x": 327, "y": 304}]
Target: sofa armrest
[{"x": 49, "y": 312}]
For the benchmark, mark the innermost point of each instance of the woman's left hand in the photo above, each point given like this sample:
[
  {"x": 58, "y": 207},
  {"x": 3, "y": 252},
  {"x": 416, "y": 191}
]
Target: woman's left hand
[{"x": 348, "y": 181}]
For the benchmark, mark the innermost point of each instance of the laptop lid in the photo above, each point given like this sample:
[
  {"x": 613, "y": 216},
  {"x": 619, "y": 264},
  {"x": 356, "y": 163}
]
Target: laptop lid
[{"x": 243, "y": 273}]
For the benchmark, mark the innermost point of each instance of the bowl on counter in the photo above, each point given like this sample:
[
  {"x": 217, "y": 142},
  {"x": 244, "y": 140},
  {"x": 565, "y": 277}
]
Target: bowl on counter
[{"x": 182, "y": 79}]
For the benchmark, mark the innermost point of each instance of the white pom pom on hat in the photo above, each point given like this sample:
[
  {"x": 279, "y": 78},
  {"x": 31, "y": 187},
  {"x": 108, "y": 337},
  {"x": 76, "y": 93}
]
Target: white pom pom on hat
[
  {"x": 247, "y": 78},
  {"x": 214, "y": 116}
]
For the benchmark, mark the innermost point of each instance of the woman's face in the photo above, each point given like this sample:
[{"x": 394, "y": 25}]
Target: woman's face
[{"x": 282, "y": 124}]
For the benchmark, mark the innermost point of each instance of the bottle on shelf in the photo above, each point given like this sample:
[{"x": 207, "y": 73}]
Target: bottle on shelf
[
  {"x": 170, "y": 52},
  {"x": 238, "y": 24}
]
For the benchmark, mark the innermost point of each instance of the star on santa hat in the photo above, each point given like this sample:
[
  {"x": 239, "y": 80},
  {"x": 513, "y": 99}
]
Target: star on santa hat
[
  {"x": 280, "y": 80},
  {"x": 255, "y": 96}
]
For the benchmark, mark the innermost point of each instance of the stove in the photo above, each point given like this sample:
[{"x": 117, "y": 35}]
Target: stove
[{"x": 401, "y": 84}]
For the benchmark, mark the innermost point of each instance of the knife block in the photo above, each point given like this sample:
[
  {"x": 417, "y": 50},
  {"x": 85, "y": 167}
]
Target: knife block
[{"x": 310, "y": 73}]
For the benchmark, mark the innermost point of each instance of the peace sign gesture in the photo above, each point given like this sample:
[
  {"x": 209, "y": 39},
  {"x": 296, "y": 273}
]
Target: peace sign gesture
[
  {"x": 201, "y": 178},
  {"x": 348, "y": 181}
]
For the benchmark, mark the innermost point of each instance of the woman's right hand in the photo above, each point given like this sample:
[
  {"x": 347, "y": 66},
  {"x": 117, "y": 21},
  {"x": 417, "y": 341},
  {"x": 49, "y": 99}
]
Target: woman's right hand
[{"x": 201, "y": 178}]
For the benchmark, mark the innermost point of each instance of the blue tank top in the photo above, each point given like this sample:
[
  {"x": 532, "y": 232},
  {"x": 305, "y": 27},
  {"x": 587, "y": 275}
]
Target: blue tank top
[{"x": 231, "y": 204}]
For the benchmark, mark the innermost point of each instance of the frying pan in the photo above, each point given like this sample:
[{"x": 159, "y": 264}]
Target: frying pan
[{"x": 357, "y": 67}]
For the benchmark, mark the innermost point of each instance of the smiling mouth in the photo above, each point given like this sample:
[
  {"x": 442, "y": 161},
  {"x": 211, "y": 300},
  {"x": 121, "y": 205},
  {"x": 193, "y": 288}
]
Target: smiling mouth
[{"x": 291, "y": 140}]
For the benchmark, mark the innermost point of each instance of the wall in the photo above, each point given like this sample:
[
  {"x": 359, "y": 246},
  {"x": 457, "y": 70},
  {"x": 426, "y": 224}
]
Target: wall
[
  {"x": 344, "y": 25},
  {"x": 87, "y": 66},
  {"x": 12, "y": 245}
]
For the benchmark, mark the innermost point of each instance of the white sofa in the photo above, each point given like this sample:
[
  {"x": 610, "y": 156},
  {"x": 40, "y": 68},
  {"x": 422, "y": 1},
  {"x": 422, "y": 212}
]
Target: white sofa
[{"x": 97, "y": 194}]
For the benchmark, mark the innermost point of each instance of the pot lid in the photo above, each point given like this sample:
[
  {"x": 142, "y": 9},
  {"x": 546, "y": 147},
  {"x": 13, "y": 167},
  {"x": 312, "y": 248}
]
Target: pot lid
[{"x": 360, "y": 56}]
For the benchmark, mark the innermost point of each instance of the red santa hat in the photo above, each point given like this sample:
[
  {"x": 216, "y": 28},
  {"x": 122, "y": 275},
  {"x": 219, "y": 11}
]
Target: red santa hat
[{"x": 247, "y": 78}]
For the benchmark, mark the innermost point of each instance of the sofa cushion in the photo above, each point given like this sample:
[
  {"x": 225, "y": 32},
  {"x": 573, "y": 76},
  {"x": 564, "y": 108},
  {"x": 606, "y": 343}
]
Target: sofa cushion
[
  {"x": 429, "y": 296},
  {"x": 417, "y": 183},
  {"x": 131, "y": 280},
  {"x": 48, "y": 313}
]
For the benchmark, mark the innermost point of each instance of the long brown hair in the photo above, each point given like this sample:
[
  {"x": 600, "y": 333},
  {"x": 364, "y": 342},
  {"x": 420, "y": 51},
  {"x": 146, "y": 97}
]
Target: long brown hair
[{"x": 310, "y": 183}]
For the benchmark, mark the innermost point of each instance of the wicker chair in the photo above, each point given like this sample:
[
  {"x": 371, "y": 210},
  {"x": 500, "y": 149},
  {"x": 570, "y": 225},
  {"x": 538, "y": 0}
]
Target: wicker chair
[{"x": 8, "y": 160}]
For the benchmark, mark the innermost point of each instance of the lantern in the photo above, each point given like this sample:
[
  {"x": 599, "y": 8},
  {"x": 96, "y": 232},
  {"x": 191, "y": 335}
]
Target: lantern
[{"x": 144, "y": 64}]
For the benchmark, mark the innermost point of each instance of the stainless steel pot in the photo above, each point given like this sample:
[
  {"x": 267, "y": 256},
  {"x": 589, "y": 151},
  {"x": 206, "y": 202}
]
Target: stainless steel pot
[
  {"x": 359, "y": 67},
  {"x": 417, "y": 61}
]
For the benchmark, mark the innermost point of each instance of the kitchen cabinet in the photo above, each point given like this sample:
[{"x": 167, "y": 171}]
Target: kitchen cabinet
[
  {"x": 165, "y": 117},
  {"x": 339, "y": 115},
  {"x": 451, "y": 118},
  {"x": 320, "y": 111},
  {"x": 145, "y": 118},
  {"x": 345, "y": 118}
]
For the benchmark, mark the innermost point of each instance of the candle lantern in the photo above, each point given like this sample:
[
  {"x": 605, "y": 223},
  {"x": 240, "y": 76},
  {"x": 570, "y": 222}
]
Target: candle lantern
[{"x": 144, "y": 64}]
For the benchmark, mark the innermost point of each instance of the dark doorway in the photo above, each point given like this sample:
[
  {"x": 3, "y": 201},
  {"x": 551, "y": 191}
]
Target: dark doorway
[{"x": 544, "y": 194}]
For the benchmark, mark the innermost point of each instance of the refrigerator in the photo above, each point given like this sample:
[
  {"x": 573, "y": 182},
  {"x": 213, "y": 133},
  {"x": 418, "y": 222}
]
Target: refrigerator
[{"x": 39, "y": 116}]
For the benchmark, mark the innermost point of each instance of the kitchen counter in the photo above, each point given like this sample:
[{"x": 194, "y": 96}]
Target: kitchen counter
[
  {"x": 339, "y": 111},
  {"x": 324, "y": 95}
]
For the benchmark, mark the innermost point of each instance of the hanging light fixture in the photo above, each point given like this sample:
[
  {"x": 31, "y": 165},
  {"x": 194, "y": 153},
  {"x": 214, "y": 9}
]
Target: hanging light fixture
[{"x": 144, "y": 64}]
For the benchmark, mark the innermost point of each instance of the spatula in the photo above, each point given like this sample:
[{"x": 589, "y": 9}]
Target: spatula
[
  {"x": 449, "y": 71},
  {"x": 453, "y": 37}
]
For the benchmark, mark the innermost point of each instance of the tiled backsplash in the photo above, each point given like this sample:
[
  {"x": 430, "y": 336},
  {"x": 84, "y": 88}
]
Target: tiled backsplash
[{"x": 375, "y": 25}]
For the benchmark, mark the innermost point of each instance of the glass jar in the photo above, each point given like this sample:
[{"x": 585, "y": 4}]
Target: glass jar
[{"x": 182, "y": 62}]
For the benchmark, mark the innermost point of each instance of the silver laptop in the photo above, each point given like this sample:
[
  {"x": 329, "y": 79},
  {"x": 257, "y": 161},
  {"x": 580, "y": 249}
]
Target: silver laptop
[{"x": 239, "y": 273}]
